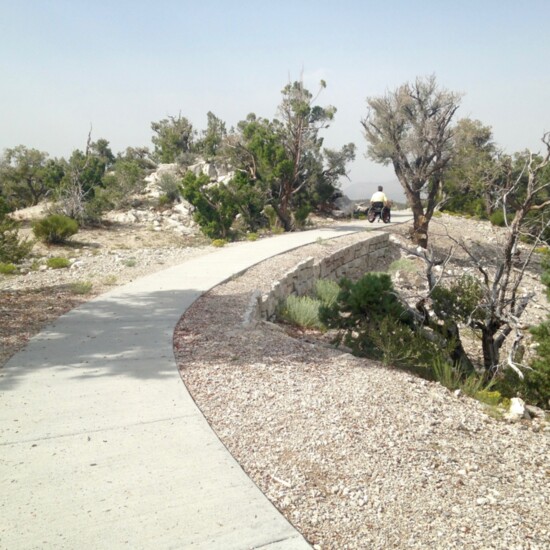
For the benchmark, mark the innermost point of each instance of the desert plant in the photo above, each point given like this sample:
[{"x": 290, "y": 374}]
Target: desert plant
[
  {"x": 271, "y": 215},
  {"x": 7, "y": 269},
  {"x": 327, "y": 291},
  {"x": 446, "y": 374},
  {"x": 110, "y": 280},
  {"x": 169, "y": 186},
  {"x": 473, "y": 384},
  {"x": 301, "y": 311},
  {"x": 129, "y": 262},
  {"x": 215, "y": 205},
  {"x": 58, "y": 263},
  {"x": 300, "y": 216},
  {"x": 491, "y": 398},
  {"x": 219, "y": 243},
  {"x": 497, "y": 218},
  {"x": 360, "y": 309},
  {"x": 81, "y": 287},
  {"x": 55, "y": 229},
  {"x": 252, "y": 236},
  {"x": 396, "y": 344},
  {"x": 12, "y": 248}
]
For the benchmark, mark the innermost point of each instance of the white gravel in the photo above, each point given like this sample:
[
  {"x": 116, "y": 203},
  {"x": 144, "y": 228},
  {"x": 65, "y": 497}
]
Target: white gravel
[{"x": 354, "y": 454}]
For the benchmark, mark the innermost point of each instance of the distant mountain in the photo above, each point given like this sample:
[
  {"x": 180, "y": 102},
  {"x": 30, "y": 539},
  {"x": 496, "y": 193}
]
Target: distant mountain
[{"x": 364, "y": 190}]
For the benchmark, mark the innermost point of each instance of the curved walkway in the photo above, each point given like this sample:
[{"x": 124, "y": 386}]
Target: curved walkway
[{"x": 101, "y": 445}]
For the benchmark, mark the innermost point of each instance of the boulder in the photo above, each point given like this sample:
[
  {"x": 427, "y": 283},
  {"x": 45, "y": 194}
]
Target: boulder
[
  {"x": 344, "y": 207},
  {"x": 517, "y": 410}
]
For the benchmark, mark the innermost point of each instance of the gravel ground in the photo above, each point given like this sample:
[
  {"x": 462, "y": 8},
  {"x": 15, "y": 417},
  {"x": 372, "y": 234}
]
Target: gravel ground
[{"x": 354, "y": 454}]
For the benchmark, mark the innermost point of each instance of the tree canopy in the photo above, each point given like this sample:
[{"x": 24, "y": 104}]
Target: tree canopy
[{"x": 410, "y": 128}]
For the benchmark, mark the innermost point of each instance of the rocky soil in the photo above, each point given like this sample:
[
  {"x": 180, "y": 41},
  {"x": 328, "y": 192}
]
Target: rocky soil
[{"x": 356, "y": 455}]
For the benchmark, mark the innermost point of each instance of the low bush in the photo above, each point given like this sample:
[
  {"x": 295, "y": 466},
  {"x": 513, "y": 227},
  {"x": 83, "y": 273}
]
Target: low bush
[
  {"x": 359, "y": 310},
  {"x": 81, "y": 287},
  {"x": 497, "y": 218},
  {"x": 170, "y": 188},
  {"x": 473, "y": 384},
  {"x": 58, "y": 263},
  {"x": 327, "y": 291},
  {"x": 300, "y": 216},
  {"x": 55, "y": 229},
  {"x": 219, "y": 243},
  {"x": 12, "y": 248},
  {"x": 7, "y": 269},
  {"x": 301, "y": 311}
]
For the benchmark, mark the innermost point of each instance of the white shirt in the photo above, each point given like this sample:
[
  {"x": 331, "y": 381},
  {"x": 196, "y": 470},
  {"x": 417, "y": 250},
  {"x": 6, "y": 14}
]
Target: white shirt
[{"x": 379, "y": 196}]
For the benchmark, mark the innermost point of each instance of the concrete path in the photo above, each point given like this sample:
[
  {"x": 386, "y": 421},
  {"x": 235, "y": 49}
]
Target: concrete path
[{"x": 101, "y": 445}]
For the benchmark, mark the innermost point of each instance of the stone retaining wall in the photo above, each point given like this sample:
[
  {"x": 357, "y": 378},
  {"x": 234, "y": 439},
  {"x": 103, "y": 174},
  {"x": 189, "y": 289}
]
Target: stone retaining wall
[{"x": 351, "y": 261}]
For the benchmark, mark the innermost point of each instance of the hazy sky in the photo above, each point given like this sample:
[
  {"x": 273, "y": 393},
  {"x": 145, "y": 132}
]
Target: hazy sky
[{"x": 118, "y": 65}]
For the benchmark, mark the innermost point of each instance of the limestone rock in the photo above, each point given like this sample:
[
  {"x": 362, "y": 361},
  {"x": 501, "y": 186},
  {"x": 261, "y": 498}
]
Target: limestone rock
[{"x": 517, "y": 410}]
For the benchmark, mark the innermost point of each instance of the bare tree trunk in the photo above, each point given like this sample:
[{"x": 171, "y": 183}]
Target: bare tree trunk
[{"x": 491, "y": 355}]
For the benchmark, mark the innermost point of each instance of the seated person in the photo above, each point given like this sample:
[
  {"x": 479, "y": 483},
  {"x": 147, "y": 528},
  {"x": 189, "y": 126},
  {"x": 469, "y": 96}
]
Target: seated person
[
  {"x": 380, "y": 206},
  {"x": 379, "y": 198}
]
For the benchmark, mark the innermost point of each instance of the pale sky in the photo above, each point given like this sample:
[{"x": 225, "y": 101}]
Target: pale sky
[{"x": 118, "y": 65}]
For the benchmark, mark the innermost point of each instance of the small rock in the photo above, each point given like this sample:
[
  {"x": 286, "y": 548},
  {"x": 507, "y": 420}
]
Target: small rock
[{"x": 517, "y": 410}]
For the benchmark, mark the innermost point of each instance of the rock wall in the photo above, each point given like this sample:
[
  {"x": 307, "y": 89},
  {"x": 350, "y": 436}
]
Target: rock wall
[{"x": 351, "y": 261}]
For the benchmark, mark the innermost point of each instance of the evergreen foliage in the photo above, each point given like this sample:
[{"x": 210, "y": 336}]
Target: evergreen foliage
[
  {"x": 360, "y": 310},
  {"x": 173, "y": 138},
  {"x": 302, "y": 311},
  {"x": 215, "y": 207},
  {"x": 410, "y": 128},
  {"x": 58, "y": 263},
  {"x": 13, "y": 249},
  {"x": 28, "y": 176},
  {"x": 55, "y": 229}
]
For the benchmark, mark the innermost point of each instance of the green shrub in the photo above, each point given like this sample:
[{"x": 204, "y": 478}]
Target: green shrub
[
  {"x": 55, "y": 229},
  {"x": 491, "y": 398},
  {"x": 170, "y": 187},
  {"x": 271, "y": 216},
  {"x": 300, "y": 216},
  {"x": 164, "y": 200},
  {"x": 460, "y": 301},
  {"x": 58, "y": 263},
  {"x": 360, "y": 309},
  {"x": 397, "y": 345},
  {"x": 327, "y": 291},
  {"x": 117, "y": 189},
  {"x": 473, "y": 385},
  {"x": 215, "y": 205},
  {"x": 129, "y": 262},
  {"x": 497, "y": 218},
  {"x": 81, "y": 287},
  {"x": 7, "y": 269},
  {"x": 446, "y": 374},
  {"x": 301, "y": 311},
  {"x": 12, "y": 248},
  {"x": 219, "y": 243},
  {"x": 252, "y": 236}
]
